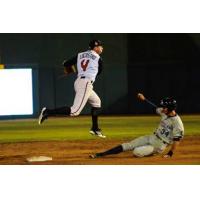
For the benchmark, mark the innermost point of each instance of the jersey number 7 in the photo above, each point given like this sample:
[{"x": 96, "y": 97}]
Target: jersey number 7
[{"x": 84, "y": 64}]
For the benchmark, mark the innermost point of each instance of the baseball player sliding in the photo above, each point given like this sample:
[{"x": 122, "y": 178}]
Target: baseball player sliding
[
  {"x": 89, "y": 65},
  {"x": 169, "y": 133}
]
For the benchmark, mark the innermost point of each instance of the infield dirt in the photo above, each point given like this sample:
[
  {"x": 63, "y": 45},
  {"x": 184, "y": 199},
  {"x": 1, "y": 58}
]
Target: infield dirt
[{"x": 77, "y": 153}]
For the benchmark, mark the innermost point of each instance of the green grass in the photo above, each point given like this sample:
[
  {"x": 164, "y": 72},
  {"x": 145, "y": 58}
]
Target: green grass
[{"x": 78, "y": 128}]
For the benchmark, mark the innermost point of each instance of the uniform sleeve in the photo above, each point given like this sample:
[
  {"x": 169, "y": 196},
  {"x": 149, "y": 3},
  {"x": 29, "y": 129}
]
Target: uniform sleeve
[
  {"x": 70, "y": 62},
  {"x": 178, "y": 133},
  {"x": 100, "y": 66},
  {"x": 159, "y": 111}
]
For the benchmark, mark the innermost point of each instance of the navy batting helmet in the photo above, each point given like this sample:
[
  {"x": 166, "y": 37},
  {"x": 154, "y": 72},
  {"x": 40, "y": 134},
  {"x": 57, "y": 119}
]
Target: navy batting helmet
[
  {"x": 95, "y": 43},
  {"x": 169, "y": 103}
]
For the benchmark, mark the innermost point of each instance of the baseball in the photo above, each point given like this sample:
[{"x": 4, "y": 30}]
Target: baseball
[{"x": 141, "y": 96}]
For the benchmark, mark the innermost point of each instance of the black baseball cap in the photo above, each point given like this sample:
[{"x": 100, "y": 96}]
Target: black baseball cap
[{"x": 95, "y": 43}]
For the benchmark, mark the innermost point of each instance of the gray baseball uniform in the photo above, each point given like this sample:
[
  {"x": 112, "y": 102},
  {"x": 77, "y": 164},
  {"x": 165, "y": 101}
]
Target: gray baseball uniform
[{"x": 170, "y": 128}]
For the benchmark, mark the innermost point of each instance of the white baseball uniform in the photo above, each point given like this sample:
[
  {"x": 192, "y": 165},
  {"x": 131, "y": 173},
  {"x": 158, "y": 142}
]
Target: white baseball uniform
[
  {"x": 170, "y": 128},
  {"x": 88, "y": 64}
]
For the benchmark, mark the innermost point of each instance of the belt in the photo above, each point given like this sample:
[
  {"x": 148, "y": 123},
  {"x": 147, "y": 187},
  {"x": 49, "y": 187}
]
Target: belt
[
  {"x": 160, "y": 139},
  {"x": 82, "y": 77}
]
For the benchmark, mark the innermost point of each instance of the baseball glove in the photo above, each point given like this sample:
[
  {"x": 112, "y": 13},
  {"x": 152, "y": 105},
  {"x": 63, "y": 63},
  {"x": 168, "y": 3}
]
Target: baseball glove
[{"x": 69, "y": 70}]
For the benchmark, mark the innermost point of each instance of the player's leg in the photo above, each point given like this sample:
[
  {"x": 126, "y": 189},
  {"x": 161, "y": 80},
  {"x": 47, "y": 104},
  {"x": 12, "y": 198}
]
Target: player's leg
[
  {"x": 116, "y": 150},
  {"x": 143, "y": 151},
  {"x": 95, "y": 102},
  {"x": 141, "y": 146},
  {"x": 95, "y": 113},
  {"x": 45, "y": 113},
  {"x": 138, "y": 142},
  {"x": 83, "y": 89}
]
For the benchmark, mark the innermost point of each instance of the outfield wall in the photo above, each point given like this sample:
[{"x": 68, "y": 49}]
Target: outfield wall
[{"x": 156, "y": 64}]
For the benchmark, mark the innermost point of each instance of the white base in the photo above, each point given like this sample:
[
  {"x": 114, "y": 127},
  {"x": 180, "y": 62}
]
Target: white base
[{"x": 39, "y": 158}]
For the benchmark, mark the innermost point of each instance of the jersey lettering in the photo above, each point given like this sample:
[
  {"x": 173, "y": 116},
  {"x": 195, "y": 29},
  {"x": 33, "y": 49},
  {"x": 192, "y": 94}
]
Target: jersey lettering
[
  {"x": 84, "y": 64},
  {"x": 88, "y": 55}
]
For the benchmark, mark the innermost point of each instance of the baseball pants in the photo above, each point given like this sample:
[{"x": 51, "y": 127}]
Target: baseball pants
[
  {"x": 84, "y": 93},
  {"x": 145, "y": 146}
]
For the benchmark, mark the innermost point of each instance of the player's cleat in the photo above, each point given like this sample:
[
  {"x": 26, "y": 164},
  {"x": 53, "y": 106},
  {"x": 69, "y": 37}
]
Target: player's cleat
[
  {"x": 43, "y": 116},
  {"x": 93, "y": 156},
  {"x": 97, "y": 132}
]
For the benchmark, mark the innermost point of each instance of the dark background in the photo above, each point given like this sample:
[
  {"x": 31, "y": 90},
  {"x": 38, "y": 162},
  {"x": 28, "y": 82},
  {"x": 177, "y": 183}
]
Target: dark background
[{"x": 158, "y": 65}]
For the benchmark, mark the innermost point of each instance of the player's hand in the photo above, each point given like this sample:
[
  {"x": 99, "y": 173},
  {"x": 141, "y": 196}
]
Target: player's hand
[
  {"x": 169, "y": 154},
  {"x": 166, "y": 156},
  {"x": 141, "y": 96}
]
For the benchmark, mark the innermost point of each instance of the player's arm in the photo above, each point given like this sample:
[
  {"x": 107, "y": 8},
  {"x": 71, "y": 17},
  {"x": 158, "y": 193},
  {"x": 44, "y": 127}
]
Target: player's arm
[
  {"x": 100, "y": 68},
  {"x": 69, "y": 65},
  {"x": 172, "y": 149},
  {"x": 176, "y": 141},
  {"x": 70, "y": 62},
  {"x": 159, "y": 111}
]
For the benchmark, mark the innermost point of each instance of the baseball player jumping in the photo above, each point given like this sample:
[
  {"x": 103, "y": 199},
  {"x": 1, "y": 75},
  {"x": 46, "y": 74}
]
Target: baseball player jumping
[
  {"x": 89, "y": 65},
  {"x": 169, "y": 133}
]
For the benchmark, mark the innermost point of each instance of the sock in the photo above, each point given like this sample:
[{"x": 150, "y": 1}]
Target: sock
[
  {"x": 59, "y": 111},
  {"x": 94, "y": 113},
  {"x": 115, "y": 150}
]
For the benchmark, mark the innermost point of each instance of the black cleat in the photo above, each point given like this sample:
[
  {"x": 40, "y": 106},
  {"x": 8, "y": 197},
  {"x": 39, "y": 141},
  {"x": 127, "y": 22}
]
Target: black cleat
[
  {"x": 43, "y": 116},
  {"x": 97, "y": 132}
]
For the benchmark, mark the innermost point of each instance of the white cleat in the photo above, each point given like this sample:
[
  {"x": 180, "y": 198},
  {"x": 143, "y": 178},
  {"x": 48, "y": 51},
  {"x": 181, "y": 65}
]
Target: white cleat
[
  {"x": 97, "y": 133},
  {"x": 93, "y": 156}
]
